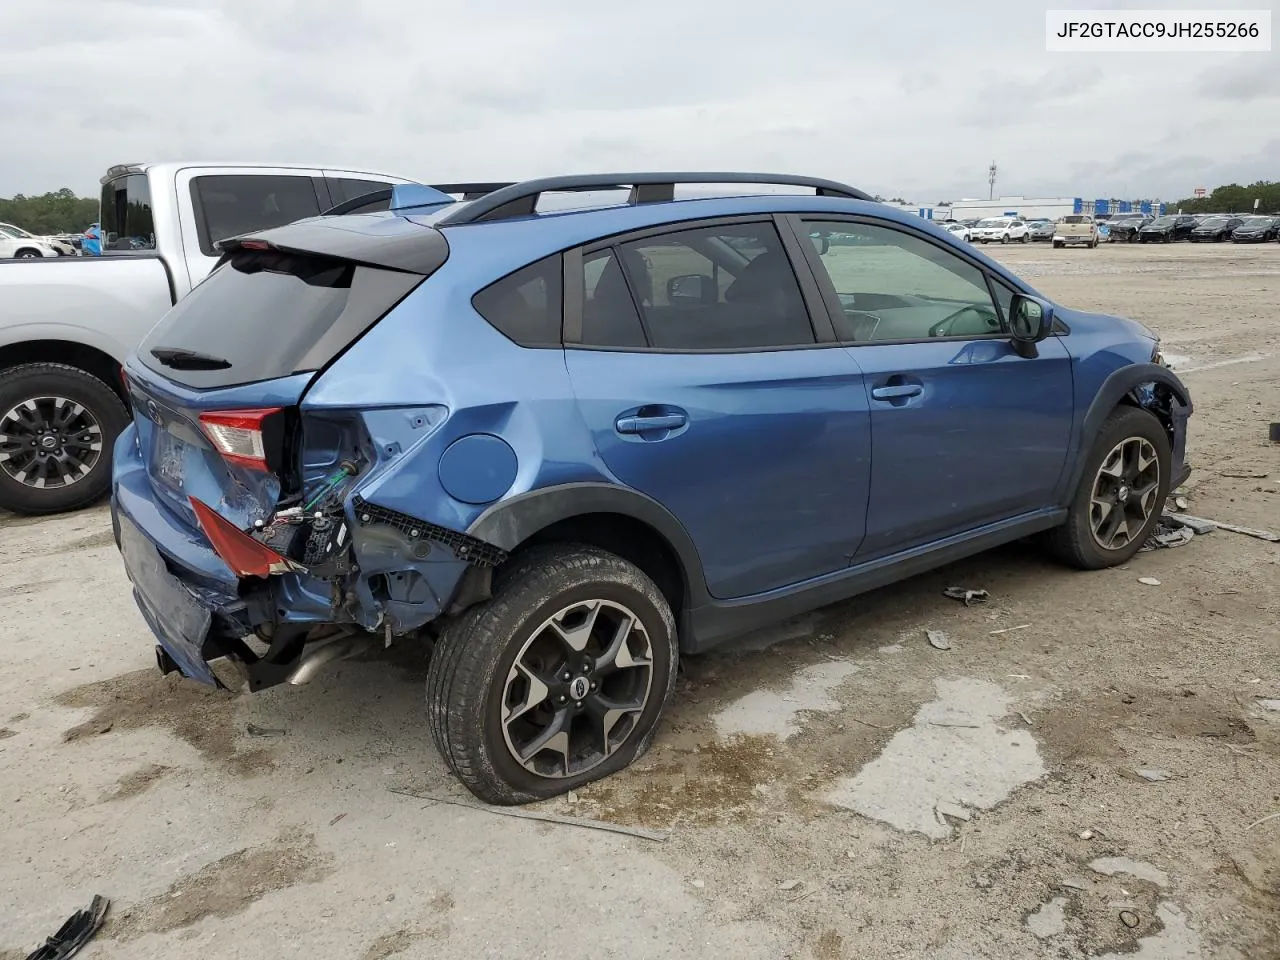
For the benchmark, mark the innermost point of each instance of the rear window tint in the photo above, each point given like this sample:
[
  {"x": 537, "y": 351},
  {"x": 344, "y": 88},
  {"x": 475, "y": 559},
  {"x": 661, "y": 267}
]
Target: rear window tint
[
  {"x": 264, "y": 315},
  {"x": 526, "y": 306},
  {"x": 126, "y": 214},
  {"x": 228, "y": 206}
]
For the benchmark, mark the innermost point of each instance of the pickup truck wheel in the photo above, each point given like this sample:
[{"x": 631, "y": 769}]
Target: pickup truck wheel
[
  {"x": 558, "y": 680},
  {"x": 57, "y": 427},
  {"x": 1121, "y": 493},
  {"x": 1057, "y": 244}
]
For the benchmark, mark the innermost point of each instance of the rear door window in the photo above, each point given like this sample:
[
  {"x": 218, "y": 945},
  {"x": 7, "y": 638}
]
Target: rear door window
[
  {"x": 728, "y": 287},
  {"x": 268, "y": 314},
  {"x": 126, "y": 214},
  {"x": 231, "y": 205}
]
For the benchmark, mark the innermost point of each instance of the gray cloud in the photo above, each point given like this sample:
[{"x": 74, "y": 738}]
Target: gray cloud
[{"x": 907, "y": 99}]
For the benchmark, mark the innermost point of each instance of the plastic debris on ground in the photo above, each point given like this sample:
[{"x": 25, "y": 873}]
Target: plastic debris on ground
[
  {"x": 1154, "y": 776},
  {"x": 1188, "y": 520},
  {"x": 1149, "y": 581},
  {"x": 1169, "y": 532},
  {"x": 966, "y": 596},
  {"x": 938, "y": 640},
  {"x": 74, "y": 934}
]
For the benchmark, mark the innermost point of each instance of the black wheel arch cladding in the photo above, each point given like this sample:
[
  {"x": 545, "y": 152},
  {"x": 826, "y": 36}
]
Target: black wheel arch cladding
[{"x": 1117, "y": 389}]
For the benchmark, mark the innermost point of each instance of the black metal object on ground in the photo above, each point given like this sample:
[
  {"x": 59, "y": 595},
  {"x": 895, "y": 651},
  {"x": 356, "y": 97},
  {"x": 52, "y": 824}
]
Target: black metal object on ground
[{"x": 75, "y": 933}]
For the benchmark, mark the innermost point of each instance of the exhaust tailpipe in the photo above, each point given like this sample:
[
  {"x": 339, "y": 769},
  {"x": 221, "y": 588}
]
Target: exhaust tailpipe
[{"x": 321, "y": 654}]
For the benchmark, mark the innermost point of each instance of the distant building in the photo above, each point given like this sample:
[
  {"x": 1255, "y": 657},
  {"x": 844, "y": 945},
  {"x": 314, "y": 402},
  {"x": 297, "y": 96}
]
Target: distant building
[{"x": 1050, "y": 208}]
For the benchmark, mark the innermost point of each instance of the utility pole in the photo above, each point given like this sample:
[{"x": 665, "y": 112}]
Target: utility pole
[{"x": 991, "y": 181}]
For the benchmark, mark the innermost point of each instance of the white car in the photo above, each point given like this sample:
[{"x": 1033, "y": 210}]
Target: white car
[
  {"x": 1001, "y": 229},
  {"x": 958, "y": 230},
  {"x": 22, "y": 246}
]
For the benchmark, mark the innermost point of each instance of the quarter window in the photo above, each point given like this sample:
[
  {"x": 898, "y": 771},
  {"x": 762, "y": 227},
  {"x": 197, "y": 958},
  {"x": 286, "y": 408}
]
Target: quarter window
[
  {"x": 893, "y": 285},
  {"x": 729, "y": 287},
  {"x": 526, "y": 305}
]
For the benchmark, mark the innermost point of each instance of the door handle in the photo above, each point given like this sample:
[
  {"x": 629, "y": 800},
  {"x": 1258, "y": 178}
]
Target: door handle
[
  {"x": 898, "y": 391},
  {"x": 666, "y": 421}
]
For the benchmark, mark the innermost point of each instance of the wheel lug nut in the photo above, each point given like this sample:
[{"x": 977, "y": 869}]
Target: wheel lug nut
[
  {"x": 562, "y": 699},
  {"x": 594, "y": 685},
  {"x": 578, "y": 704},
  {"x": 567, "y": 676}
]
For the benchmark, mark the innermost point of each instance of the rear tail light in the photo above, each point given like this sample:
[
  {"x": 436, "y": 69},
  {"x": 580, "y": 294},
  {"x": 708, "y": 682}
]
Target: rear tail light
[
  {"x": 238, "y": 435},
  {"x": 244, "y": 555}
]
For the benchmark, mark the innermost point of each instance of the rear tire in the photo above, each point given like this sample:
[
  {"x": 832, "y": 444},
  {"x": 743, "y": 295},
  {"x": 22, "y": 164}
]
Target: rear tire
[
  {"x": 1057, "y": 245},
  {"x": 27, "y": 255},
  {"x": 1109, "y": 518},
  {"x": 495, "y": 688},
  {"x": 104, "y": 417}
]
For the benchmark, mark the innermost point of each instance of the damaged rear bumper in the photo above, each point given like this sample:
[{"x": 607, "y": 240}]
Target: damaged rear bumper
[{"x": 400, "y": 574}]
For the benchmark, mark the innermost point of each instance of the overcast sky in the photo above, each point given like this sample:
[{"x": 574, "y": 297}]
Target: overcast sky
[{"x": 912, "y": 97}]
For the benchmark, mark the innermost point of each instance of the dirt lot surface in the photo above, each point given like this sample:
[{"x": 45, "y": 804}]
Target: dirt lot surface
[{"x": 847, "y": 791}]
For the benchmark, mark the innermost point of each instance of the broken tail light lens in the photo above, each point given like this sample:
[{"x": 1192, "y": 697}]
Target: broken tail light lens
[
  {"x": 244, "y": 555},
  {"x": 238, "y": 435}
]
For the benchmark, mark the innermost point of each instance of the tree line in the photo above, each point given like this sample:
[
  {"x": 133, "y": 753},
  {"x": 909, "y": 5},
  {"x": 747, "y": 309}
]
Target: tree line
[
  {"x": 1233, "y": 198},
  {"x": 58, "y": 212}
]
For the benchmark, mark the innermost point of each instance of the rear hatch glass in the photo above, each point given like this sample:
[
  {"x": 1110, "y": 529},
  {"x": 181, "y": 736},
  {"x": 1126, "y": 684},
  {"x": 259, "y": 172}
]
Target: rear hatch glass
[
  {"x": 249, "y": 338},
  {"x": 265, "y": 314}
]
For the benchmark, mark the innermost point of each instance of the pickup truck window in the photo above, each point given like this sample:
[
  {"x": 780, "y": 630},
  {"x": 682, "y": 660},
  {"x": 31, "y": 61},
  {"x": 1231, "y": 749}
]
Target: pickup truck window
[
  {"x": 227, "y": 206},
  {"x": 349, "y": 188},
  {"x": 126, "y": 214}
]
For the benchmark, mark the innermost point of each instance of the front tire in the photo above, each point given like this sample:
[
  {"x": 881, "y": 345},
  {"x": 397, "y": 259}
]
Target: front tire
[
  {"x": 1005, "y": 238},
  {"x": 1121, "y": 493},
  {"x": 58, "y": 425},
  {"x": 503, "y": 716}
]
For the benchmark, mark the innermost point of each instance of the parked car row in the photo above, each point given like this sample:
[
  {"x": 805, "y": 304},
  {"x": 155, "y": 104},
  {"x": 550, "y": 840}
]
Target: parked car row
[
  {"x": 19, "y": 244},
  {"x": 1128, "y": 228}
]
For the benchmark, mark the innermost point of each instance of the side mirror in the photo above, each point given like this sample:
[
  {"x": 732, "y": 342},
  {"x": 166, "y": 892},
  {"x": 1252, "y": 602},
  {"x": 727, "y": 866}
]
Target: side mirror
[
  {"x": 1030, "y": 321},
  {"x": 821, "y": 242},
  {"x": 691, "y": 289}
]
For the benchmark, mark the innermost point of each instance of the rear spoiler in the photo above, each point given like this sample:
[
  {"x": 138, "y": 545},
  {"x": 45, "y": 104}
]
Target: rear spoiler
[{"x": 391, "y": 243}]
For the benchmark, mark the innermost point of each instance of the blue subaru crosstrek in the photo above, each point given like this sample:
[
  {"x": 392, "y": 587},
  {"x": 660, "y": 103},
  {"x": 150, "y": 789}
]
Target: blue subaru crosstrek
[{"x": 558, "y": 448}]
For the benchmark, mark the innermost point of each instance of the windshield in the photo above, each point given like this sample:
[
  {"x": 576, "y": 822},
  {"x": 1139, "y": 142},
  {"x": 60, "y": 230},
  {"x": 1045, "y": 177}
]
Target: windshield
[
  {"x": 1075, "y": 219},
  {"x": 1257, "y": 222},
  {"x": 1164, "y": 222},
  {"x": 992, "y": 222},
  {"x": 16, "y": 232},
  {"x": 1213, "y": 222}
]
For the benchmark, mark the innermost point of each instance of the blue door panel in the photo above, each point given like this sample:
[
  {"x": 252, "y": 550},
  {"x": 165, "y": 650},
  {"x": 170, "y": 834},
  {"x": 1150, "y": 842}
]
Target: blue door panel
[
  {"x": 964, "y": 433},
  {"x": 764, "y": 457}
]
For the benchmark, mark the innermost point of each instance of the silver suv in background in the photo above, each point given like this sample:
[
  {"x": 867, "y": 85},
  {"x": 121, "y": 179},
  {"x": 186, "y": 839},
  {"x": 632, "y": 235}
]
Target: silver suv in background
[{"x": 68, "y": 323}]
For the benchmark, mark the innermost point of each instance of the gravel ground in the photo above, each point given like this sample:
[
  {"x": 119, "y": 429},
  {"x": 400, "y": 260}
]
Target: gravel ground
[{"x": 834, "y": 788}]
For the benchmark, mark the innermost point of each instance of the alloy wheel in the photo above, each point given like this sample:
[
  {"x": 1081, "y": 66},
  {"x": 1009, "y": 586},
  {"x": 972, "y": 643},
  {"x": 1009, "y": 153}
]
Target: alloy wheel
[
  {"x": 49, "y": 442},
  {"x": 1124, "y": 493},
  {"x": 577, "y": 688}
]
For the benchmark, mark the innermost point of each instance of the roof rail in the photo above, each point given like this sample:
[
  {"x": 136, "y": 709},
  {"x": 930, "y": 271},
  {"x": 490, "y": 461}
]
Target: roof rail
[{"x": 521, "y": 199}]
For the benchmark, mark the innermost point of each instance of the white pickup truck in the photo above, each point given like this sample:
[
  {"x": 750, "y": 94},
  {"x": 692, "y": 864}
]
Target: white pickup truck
[{"x": 68, "y": 323}]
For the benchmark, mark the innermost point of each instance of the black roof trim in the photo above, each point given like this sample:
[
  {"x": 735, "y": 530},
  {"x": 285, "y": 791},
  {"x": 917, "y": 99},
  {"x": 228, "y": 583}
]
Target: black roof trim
[
  {"x": 521, "y": 199},
  {"x": 393, "y": 243}
]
